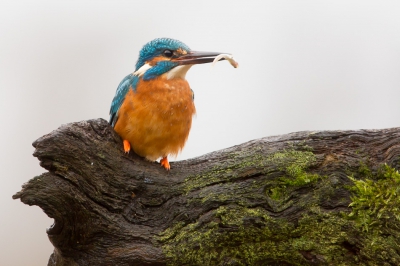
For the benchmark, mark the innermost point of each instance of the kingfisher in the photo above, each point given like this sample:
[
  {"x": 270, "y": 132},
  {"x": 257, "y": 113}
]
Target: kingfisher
[{"x": 153, "y": 107}]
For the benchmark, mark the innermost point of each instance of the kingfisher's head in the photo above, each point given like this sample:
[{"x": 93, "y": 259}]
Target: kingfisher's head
[{"x": 169, "y": 58}]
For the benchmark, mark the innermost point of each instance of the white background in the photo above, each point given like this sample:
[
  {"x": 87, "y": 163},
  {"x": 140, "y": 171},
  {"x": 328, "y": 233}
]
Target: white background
[{"x": 304, "y": 65}]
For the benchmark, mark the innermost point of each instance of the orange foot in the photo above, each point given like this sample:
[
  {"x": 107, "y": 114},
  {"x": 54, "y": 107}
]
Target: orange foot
[
  {"x": 127, "y": 146},
  {"x": 164, "y": 163}
]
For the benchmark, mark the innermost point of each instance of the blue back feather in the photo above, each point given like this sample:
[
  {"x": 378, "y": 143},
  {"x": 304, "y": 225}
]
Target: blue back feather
[
  {"x": 151, "y": 49},
  {"x": 128, "y": 82}
]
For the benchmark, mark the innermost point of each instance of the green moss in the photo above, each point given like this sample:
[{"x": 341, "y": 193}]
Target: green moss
[
  {"x": 215, "y": 196},
  {"x": 171, "y": 232},
  {"x": 376, "y": 213},
  {"x": 277, "y": 193},
  {"x": 293, "y": 163},
  {"x": 223, "y": 172},
  {"x": 239, "y": 234},
  {"x": 376, "y": 199},
  {"x": 249, "y": 236},
  {"x": 295, "y": 166},
  {"x": 282, "y": 173},
  {"x": 364, "y": 170}
]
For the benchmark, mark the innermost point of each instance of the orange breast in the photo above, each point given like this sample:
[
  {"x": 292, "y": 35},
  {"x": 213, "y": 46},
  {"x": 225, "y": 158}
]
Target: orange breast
[{"x": 156, "y": 119}]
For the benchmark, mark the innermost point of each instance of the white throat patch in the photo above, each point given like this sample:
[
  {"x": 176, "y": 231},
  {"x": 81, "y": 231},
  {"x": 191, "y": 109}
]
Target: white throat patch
[{"x": 178, "y": 72}]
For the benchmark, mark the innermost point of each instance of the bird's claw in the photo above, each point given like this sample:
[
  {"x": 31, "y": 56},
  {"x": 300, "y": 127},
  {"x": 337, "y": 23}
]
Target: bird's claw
[
  {"x": 164, "y": 163},
  {"x": 127, "y": 146}
]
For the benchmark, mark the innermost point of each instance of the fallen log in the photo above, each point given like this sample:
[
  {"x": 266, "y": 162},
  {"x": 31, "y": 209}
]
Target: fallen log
[{"x": 306, "y": 198}]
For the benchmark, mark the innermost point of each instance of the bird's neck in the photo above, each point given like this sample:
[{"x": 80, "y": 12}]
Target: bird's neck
[{"x": 178, "y": 72}]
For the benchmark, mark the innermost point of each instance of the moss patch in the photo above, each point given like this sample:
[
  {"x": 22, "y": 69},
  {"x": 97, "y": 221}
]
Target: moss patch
[
  {"x": 239, "y": 234},
  {"x": 244, "y": 236},
  {"x": 376, "y": 212},
  {"x": 223, "y": 173},
  {"x": 376, "y": 200},
  {"x": 278, "y": 175},
  {"x": 293, "y": 163}
]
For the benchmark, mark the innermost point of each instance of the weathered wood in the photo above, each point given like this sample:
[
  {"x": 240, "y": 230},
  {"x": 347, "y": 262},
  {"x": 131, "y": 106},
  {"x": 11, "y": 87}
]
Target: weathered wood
[{"x": 280, "y": 200}]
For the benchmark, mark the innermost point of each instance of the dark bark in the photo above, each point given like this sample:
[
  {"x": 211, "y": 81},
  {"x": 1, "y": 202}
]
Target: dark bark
[{"x": 110, "y": 208}]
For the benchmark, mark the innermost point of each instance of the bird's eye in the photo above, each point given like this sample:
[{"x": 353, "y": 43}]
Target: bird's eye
[{"x": 168, "y": 53}]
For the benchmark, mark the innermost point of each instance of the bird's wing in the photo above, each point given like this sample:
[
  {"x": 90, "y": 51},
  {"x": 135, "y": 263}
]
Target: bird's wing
[{"x": 128, "y": 82}]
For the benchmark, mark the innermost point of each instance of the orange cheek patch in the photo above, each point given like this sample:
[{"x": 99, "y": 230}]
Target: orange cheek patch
[{"x": 154, "y": 61}]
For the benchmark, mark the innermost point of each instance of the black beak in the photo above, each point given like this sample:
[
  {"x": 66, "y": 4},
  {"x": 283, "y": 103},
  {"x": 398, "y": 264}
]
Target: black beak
[{"x": 193, "y": 58}]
